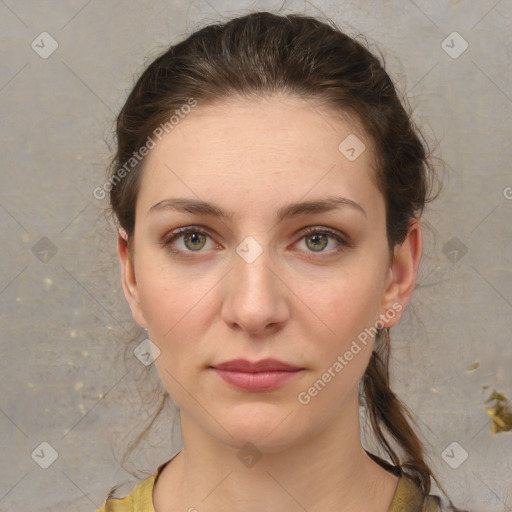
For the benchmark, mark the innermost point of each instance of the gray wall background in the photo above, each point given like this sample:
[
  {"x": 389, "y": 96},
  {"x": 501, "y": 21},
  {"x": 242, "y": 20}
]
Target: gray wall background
[{"x": 63, "y": 317}]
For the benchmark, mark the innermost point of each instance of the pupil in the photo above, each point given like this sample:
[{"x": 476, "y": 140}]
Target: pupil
[
  {"x": 317, "y": 242},
  {"x": 194, "y": 238}
]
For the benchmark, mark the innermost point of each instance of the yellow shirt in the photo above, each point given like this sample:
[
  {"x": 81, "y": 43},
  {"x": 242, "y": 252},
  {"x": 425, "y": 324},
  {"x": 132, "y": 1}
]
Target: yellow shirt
[{"x": 408, "y": 498}]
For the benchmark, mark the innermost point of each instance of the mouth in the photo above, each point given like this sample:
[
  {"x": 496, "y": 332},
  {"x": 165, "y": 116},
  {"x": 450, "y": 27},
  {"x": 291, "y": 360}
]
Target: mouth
[{"x": 264, "y": 375}]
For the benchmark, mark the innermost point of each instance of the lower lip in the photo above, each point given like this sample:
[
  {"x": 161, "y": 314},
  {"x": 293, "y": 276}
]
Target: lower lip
[{"x": 259, "y": 381}]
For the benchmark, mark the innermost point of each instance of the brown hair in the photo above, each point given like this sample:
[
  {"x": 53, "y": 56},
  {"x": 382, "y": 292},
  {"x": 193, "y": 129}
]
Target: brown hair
[{"x": 260, "y": 54}]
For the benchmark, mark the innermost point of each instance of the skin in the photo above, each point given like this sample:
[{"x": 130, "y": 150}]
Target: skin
[{"x": 293, "y": 303}]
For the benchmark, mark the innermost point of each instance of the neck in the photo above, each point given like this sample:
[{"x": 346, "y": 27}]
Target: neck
[{"x": 328, "y": 471}]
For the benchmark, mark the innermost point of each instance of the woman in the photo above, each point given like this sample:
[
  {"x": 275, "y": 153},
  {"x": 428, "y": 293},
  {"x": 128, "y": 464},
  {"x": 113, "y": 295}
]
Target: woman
[{"x": 268, "y": 185}]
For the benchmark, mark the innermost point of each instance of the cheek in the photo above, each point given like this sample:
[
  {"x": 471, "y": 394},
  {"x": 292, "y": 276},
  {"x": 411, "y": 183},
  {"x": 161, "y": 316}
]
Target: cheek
[
  {"x": 346, "y": 311},
  {"x": 341, "y": 308},
  {"x": 169, "y": 294},
  {"x": 177, "y": 302},
  {"x": 176, "y": 310}
]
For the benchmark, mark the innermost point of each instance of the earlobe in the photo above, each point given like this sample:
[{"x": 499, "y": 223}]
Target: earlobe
[
  {"x": 128, "y": 278},
  {"x": 402, "y": 274}
]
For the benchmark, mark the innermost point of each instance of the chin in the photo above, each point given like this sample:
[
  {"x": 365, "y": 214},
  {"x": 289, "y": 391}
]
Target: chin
[
  {"x": 268, "y": 432},
  {"x": 258, "y": 442}
]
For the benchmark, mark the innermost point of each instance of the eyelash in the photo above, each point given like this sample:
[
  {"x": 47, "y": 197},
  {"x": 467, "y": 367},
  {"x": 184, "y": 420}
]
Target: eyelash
[{"x": 167, "y": 240}]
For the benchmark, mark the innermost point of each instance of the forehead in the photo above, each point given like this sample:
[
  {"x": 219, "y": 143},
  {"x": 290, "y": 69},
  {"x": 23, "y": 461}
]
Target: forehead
[
  {"x": 237, "y": 125},
  {"x": 284, "y": 144}
]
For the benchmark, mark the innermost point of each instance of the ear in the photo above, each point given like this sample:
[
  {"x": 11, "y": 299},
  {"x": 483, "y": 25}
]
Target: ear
[
  {"x": 128, "y": 279},
  {"x": 402, "y": 274}
]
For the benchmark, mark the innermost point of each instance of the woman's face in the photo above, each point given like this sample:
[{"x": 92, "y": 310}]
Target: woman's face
[{"x": 252, "y": 283}]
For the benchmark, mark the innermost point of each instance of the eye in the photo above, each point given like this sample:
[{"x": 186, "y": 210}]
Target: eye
[
  {"x": 195, "y": 239},
  {"x": 316, "y": 239}
]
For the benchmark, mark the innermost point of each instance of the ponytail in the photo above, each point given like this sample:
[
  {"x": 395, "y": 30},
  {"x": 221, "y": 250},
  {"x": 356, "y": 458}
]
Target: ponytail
[{"x": 386, "y": 409}]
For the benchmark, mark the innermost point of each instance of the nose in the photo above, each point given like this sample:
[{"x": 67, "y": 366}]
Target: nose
[{"x": 256, "y": 298}]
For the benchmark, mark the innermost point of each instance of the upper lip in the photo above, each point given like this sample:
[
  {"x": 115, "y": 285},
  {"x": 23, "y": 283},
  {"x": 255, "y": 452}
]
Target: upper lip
[{"x": 264, "y": 365}]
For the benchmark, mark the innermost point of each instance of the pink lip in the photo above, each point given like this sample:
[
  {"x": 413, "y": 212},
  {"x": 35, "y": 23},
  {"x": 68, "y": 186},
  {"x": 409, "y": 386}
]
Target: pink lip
[
  {"x": 261, "y": 375},
  {"x": 264, "y": 365}
]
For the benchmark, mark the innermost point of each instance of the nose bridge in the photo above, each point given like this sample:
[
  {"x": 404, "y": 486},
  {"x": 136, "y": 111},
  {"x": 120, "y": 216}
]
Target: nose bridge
[
  {"x": 255, "y": 297},
  {"x": 252, "y": 273}
]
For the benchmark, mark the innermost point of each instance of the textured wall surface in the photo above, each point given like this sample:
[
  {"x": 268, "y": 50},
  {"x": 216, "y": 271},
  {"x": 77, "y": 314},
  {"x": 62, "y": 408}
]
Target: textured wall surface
[{"x": 68, "y": 401}]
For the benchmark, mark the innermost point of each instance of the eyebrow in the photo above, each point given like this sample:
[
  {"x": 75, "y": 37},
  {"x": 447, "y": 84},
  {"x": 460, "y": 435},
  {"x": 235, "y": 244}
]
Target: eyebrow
[{"x": 199, "y": 207}]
